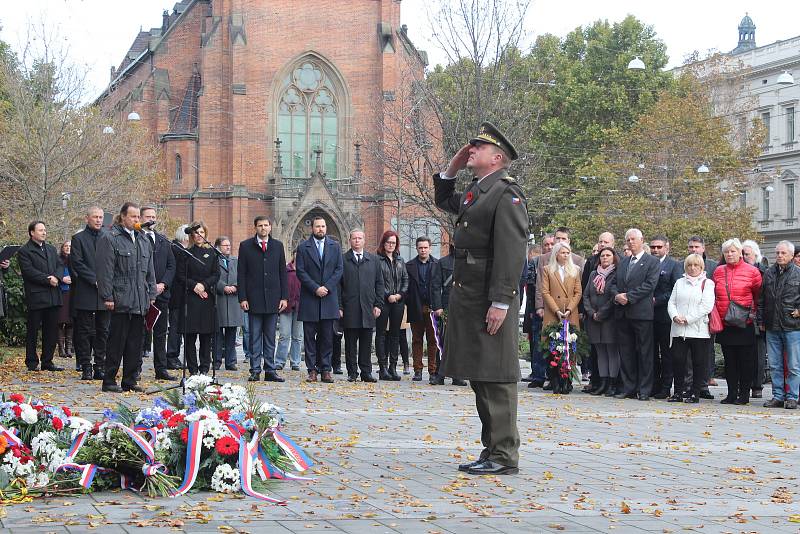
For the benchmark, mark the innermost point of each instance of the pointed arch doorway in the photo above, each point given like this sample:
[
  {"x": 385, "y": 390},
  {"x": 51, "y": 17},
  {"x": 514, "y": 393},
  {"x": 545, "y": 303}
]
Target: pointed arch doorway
[{"x": 303, "y": 228}]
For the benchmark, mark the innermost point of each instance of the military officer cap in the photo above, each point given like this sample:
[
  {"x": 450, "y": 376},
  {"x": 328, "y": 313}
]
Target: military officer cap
[{"x": 488, "y": 133}]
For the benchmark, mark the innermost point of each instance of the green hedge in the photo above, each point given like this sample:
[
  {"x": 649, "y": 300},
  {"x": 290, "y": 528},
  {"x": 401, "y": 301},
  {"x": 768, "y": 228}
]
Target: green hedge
[{"x": 12, "y": 326}]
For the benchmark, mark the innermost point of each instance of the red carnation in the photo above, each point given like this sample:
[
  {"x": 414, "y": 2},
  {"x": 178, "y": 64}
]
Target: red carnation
[
  {"x": 166, "y": 414},
  {"x": 224, "y": 415},
  {"x": 227, "y": 446},
  {"x": 17, "y": 397},
  {"x": 16, "y": 452},
  {"x": 58, "y": 424},
  {"x": 175, "y": 420},
  {"x": 17, "y": 410},
  {"x": 185, "y": 435},
  {"x": 553, "y": 363},
  {"x": 66, "y": 411},
  {"x": 96, "y": 428},
  {"x": 160, "y": 426},
  {"x": 38, "y": 407}
]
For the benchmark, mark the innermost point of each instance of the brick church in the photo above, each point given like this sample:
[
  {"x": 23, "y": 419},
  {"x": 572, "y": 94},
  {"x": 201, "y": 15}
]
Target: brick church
[{"x": 271, "y": 107}]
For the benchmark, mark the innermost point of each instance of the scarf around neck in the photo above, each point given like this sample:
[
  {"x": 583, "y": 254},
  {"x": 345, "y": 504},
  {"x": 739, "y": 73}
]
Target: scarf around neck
[{"x": 600, "y": 280}]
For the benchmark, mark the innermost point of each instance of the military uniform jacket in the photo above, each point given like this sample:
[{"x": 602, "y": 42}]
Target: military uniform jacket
[{"x": 491, "y": 231}]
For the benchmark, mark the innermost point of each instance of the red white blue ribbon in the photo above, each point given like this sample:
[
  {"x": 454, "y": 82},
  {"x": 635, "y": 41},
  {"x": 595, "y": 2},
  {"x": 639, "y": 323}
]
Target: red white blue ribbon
[
  {"x": 298, "y": 458},
  {"x": 11, "y": 436},
  {"x": 88, "y": 472},
  {"x": 247, "y": 455},
  {"x": 194, "y": 445}
]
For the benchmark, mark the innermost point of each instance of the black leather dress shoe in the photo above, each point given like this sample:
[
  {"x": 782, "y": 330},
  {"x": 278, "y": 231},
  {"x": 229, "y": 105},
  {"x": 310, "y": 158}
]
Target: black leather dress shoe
[
  {"x": 32, "y": 369},
  {"x": 661, "y": 395},
  {"x": 368, "y": 378},
  {"x": 623, "y": 395},
  {"x": 254, "y": 377},
  {"x": 98, "y": 374},
  {"x": 272, "y": 376},
  {"x": 352, "y": 378},
  {"x": 492, "y": 468},
  {"x": 436, "y": 380},
  {"x": 459, "y": 382},
  {"x": 643, "y": 397},
  {"x": 52, "y": 367},
  {"x": 135, "y": 387},
  {"x": 547, "y": 386},
  {"x": 338, "y": 371},
  {"x": 87, "y": 374},
  {"x": 535, "y": 384},
  {"x": 112, "y": 388},
  {"x": 467, "y": 467},
  {"x": 231, "y": 368},
  {"x": 164, "y": 375},
  {"x": 705, "y": 394}
]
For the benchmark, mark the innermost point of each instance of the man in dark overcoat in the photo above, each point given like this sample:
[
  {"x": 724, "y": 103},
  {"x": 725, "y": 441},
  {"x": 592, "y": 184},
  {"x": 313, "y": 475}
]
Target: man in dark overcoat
[
  {"x": 92, "y": 320},
  {"x": 41, "y": 272},
  {"x": 632, "y": 290},
  {"x": 360, "y": 301},
  {"x": 126, "y": 282},
  {"x": 669, "y": 273},
  {"x": 164, "y": 265},
  {"x": 263, "y": 292},
  {"x": 319, "y": 269},
  {"x": 482, "y": 339}
]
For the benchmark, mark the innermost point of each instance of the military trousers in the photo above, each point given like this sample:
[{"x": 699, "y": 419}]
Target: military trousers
[{"x": 497, "y": 408}]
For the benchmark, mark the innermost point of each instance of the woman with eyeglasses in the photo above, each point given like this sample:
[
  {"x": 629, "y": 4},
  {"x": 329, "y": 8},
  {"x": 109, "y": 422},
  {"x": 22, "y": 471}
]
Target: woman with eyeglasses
[{"x": 387, "y": 326}]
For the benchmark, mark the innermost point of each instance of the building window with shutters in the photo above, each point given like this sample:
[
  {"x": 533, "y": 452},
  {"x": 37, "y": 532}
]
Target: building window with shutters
[
  {"x": 790, "y": 201},
  {"x": 790, "y": 125},
  {"x": 178, "y": 168},
  {"x": 764, "y": 204}
]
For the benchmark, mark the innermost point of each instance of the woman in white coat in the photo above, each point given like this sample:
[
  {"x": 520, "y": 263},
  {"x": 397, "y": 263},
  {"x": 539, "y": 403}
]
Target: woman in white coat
[{"x": 689, "y": 304}]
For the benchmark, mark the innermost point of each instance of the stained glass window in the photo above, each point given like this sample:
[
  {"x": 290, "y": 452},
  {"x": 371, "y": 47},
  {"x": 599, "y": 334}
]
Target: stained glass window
[{"x": 307, "y": 121}]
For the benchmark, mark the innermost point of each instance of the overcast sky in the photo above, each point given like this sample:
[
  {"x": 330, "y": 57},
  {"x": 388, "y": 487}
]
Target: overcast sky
[{"x": 99, "y": 32}]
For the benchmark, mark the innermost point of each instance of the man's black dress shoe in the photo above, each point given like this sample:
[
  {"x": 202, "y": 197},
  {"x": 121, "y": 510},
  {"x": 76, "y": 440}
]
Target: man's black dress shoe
[
  {"x": 536, "y": 384},
  {"x": 705, "y": 394},
  {"x": 52, "y": 367},
  {"x": 547, "y": 386},
  {"x": 643, "y": 397},
  {"x": 112, "y": 388},
  {"x": 436, "y": 380},
  {"x": 728, "y": 400},
  {"x": 136, "y": 388},
  {"x": 417, "y": 376},
  {"x": 467, "y": 467},
  {"x": 87, "y": 374},
  {"x": 352, "y": 378},
  {"x": 231, "y": 368},
  {"x": 99, "y": 374},
  {"x": 254, "y": 377},
  {"x": 272, "y": 376},
  {"x": 661, "y": 395},
  {"x": 164, "y": 375},
  {"x": 459, "y": 382},
  {"x": 368, "y": 378},
  {"x": 32, "y": 369},
  {"x": 492, "y": 468},
  {"x": 338, "y": 371},
  {"x": 623, "y": 395}
]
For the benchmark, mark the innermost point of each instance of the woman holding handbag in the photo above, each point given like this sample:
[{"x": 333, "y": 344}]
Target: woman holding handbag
[
  {"x": 689, "y": 305},
  {"x": 737, "y": 285}
]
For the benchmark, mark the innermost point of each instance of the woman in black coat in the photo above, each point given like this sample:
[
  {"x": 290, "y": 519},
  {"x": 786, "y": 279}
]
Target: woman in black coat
[
  {"x": 387, "y": 328},
  {"x": 200, "y": 278},
  {"x": 598, "y": 304}
]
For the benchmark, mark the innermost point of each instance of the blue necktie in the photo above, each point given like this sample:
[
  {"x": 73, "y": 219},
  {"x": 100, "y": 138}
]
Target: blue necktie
[{"x": 319, "y": 248}]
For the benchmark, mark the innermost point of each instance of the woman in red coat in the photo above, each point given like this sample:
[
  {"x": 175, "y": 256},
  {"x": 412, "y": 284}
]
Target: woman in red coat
[{"x": 740, "y": 282}]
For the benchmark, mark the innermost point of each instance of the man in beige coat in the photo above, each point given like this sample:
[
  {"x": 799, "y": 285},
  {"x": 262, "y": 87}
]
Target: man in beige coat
[{"x": 482, "y": 339}]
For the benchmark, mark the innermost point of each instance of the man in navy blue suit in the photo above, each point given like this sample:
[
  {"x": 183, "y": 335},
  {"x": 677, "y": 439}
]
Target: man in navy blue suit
[
  {"x": 263, "y": 293},
  {"x": 319, "y": 268}
]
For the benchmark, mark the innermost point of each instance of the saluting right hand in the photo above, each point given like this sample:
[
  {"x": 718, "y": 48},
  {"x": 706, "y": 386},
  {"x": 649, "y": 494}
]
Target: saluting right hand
[{"x": 459, "y": 161}]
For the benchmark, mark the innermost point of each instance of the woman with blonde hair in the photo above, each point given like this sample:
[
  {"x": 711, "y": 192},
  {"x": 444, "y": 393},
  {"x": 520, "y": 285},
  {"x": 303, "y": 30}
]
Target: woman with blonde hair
[
  {"x": 200, "y": 280},
  {"x": 561, "y": 291},
  {"x": 691, "y": 301}
]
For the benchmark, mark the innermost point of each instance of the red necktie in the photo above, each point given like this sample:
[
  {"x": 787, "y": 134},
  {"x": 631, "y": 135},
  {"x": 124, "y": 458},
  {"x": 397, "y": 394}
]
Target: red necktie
[{"x": 263, "y": 246}]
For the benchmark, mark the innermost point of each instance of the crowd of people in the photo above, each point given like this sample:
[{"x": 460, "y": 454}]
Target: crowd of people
[
  {"x": 121, "y": 294},
  {"x": 653, "y": 321},
  {"x": 111, "y": 297}
]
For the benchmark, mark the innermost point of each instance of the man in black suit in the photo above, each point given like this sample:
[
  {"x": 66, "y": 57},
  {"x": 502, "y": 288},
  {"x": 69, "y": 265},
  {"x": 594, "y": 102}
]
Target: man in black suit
[
  {"x": 92, "y": 320},
  {"x": 633, "y": 289},
  {"x": 319, "y": 269},
  {"x": 38, "y": 262},
  {"x": 164, "y": 266},
  {"x": 263, "y": 292},
  {"x": 418, "y": 307},
  {"x": 360, "y": 301},
  {"x": 669, "y": 273}
]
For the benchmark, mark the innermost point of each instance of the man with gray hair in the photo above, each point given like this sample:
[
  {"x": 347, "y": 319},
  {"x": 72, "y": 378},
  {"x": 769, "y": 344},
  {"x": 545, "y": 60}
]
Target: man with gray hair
[
  {"x": 779, "y": 314},
  {"x": 632, "y": 290}
]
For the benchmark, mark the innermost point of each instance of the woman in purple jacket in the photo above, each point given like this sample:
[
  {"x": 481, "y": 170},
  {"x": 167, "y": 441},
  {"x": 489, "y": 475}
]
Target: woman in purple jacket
[{"x": 290, "y": 330}]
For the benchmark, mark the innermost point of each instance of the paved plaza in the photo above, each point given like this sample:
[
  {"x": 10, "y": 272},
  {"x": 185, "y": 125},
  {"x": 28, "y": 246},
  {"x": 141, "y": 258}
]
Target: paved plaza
[{"x": 387, "y": 453}]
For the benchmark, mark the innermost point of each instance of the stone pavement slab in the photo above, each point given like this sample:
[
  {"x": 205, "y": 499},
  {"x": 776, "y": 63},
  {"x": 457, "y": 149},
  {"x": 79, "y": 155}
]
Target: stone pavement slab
[{"x": 387, "y": 453}]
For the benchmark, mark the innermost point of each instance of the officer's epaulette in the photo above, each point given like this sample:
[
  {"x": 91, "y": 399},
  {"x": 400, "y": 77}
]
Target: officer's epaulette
[{"x": 509, "y": 179}]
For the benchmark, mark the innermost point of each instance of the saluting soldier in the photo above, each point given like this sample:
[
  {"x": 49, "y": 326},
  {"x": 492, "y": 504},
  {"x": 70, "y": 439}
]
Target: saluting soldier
[{"x": 481, "y": 342}]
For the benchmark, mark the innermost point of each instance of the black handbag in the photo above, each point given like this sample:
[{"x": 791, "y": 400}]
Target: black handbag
[{"x": 737, "y": 315}]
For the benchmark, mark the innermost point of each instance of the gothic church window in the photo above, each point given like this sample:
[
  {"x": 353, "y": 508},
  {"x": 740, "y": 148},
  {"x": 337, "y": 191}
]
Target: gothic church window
[{"x": 308, "y": 122}]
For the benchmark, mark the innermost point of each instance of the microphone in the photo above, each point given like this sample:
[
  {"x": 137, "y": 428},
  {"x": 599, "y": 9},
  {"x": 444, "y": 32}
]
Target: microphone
[
  {"x": 189, "y": 230},
  {"x": 144, "y": 226}
]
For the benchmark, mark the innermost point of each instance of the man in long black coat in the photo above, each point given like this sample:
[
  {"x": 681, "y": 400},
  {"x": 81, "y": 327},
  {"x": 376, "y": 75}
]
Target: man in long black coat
[
  {"x": 92, "y": 320},
  {"x": 360, "y": 301},
  {"x": 632, "y": 290},
  {"x": 319, "y": 268},
  {"x": 263, "y": 292},
  {"x": 669, "y": 273},
  {"x": 38, "y": 262},
  {"x": 164, "y": 266}
]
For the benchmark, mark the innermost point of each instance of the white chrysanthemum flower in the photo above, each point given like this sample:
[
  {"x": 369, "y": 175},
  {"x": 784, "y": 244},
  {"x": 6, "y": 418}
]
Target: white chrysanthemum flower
[
  {"x": 198, "y": 382},
  {"x": 202, "y": 413},
  {"x": 225, "y": 479},
  {"x": 209, "y": 442},
  {"x": 573, "y": 338},
  {"x": 28, "y": 414}
]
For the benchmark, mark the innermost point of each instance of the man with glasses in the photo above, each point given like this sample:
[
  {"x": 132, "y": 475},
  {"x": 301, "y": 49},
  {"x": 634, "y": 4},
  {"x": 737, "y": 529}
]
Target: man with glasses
[{"x": 669, "y": 273}]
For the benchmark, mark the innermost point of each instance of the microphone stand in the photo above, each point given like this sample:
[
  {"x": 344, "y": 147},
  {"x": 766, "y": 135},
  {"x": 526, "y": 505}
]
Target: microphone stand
[{"x": 186, "y": 252}]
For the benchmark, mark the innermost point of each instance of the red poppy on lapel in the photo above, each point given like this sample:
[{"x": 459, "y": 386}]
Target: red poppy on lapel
[{"x": 469, "y": 198}]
